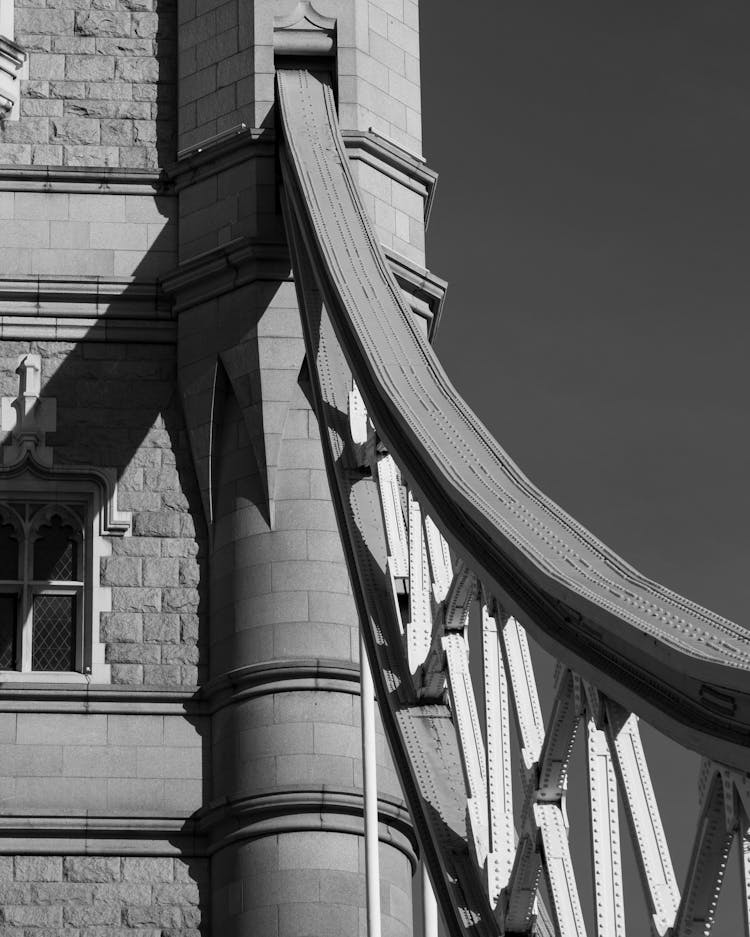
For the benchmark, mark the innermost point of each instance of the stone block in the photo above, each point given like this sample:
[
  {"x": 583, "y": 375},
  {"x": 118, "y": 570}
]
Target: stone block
[
  {"x": 123, "y": 571},
  {"x": 142, "y": 730},
  {"x": 333, "y": 739},
  {"x": 135, "y": 794},
  {"x": 42, "y": 22},
  {"x": 162, "y": 674},
  {"x": 98, "y": 761},
  {"x": 117, "y": 132},
  {"x": 137, "y": 69},
  {"x": 145, "y": 24},
  {"x": 183, "y": 733},
  {"x": 20, "y": 893},
  {"x": 169, "y": 762},
  {"x": 337, "y": 887},
  {"x": 97, "y": 207},
  {"x": 72, "y": 234},
  {"x": 64, "y": 893},
  {"x": 127, "y": 674},
  {"x": 148, "y": 869},
  {"x": 161, "y": 572},
  {"x": 61, "y": 729},
  {"x": 312, "y": 575},
  {"x": 91, "y": 155},
  {"x": 161, "y": 628},
  {"x": 180, "y": 599},
  {"x": 176, "y": 893},
  {"x": 88, "y": 67},
  {"x": 133, "y": 654},
  {"x": 102, "y": 23},
  {"x": 318, "y": 850},
  {"x": 136, "y": 599},
  {"x": 178, "y": 653},
  {"x": 100, "y": 912},
  {"x": 38, "y": 869},
  {"x": 32, "y": 234},
  {"x": 33, "y": 916},
  {"x": 91, "y": 869},
  {"x": 332, "y": 607}
]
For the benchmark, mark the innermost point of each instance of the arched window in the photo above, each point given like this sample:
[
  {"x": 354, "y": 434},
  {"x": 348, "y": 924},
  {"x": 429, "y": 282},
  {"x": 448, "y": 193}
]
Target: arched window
[{"x": 41, "y": 587}]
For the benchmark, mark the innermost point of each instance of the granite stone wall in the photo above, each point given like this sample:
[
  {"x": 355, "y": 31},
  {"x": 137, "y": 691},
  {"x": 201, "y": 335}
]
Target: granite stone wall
[
  {"x": 101, "y": 86},
  {"x": 101, "y": 896},
  {"x": 117, "y": 408}
]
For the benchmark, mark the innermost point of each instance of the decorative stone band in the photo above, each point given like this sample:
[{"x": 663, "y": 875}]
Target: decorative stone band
[
  {"x": 297, "y": 809},
  {"x": 81, "y": 833},
  {"x": 280, "y": 676}
]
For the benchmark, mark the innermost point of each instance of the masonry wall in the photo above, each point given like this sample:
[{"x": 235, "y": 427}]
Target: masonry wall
[
  {"x": 101, "y": 895},
  {"x": 101, "y": 84},
  {"x": 104, "y": 769},
  {"x": 213, "y": 780}
]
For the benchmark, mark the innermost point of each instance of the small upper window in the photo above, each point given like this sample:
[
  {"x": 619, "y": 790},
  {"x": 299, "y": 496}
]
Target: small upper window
[{"x": 41, "y": 587}]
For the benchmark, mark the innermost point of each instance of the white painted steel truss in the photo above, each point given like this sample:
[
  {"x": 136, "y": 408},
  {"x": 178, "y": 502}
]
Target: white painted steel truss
[{"x": 434, "y": 621}]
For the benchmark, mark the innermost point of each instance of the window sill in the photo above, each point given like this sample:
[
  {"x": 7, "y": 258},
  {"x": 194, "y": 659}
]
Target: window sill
[{"x": 47, "y": 676}]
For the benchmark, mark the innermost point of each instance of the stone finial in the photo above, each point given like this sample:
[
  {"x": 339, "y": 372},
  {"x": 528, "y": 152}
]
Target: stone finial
[{"x": 28, "y": 417}]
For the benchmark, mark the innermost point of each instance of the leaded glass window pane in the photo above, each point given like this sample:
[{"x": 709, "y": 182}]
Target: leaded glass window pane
[
  {"x": 8, "y": 552},
  {"x": 55, "y": 551},
  {"x": 53, "y": 641},
  {"x": 8, "y": 605}
]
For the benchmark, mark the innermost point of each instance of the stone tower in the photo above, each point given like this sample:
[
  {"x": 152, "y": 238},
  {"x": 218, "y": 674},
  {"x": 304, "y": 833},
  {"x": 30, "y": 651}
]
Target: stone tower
[{"x": 179, "y": 693}]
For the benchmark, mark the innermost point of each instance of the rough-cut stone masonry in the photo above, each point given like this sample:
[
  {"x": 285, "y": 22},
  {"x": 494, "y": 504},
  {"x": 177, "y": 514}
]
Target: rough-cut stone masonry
[
  {"x": 101, "y": 87},
  {"x": 101, "y": 896},
  {"x": 117, "y": 408}
]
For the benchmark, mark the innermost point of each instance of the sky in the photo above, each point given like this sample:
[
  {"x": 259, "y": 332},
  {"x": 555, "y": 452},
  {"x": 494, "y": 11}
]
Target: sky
[{"x": 592, "y": 218}]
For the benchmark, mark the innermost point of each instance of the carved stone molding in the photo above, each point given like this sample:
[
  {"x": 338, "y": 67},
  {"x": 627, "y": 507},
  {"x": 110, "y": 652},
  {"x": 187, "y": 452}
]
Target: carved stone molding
[
  {"x": 304, "y": 31},
  {"x": 13, "y": 67}
]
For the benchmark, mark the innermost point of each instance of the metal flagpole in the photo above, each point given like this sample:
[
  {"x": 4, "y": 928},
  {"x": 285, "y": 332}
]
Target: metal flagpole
[{"x": 369, "y": 773}]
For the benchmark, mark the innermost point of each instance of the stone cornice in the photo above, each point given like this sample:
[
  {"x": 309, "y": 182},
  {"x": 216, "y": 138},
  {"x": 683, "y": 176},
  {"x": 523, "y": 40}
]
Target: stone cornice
[
  {"x": 240, "y": 262},
  {"x": 294, "y": 808},
  {"x": 393, "y": 161},
  {"x": 221, "y": 152},
  {"x": 79, "y": 833},
  {"x": 225, "y": 268},
  {"x": 281, "y": 676},
  {"x": 425, "y": 291},
  {"x": 85, "y": 308},
  {"x": 103, "y": 699},
  {"x": 83, "y": 179},
  {"x": 240, "y": 143}
]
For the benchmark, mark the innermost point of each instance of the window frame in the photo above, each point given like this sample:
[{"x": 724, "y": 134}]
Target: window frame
[
  {"x": 27, "y": 587},
  {"x": 88, "y": 495}
]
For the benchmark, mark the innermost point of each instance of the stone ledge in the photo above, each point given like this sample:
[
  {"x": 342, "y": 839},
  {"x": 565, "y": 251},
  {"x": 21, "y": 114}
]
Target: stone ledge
[
  {"x": 86, "y": 179},
  {"x": 80, "y": 833},
  {"x": 224, "y": 269},
  {"x": 281, "y": 676},
  {"x": 86, "y": 309},
  {"x": 241, "y": 262},
  {"x": 103, "y": 699},
  {"x": 296, "y": 809},
  {"x": 393, "y": 161}
]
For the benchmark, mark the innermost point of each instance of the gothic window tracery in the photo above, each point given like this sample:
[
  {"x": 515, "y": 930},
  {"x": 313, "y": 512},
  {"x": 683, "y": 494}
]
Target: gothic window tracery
[{"x": 42, "y": 586}]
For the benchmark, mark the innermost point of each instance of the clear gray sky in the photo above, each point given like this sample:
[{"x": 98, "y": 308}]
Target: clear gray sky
[{"x": 593, "y": 221}]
